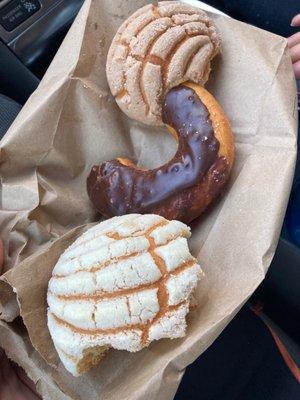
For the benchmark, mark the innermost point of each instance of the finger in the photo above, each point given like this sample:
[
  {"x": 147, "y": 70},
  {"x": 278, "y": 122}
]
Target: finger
[
  {"x": 1, "y": 254},
  {"x": 294, "y": 39},
  {"x": 11, "y": 387},
  {"x": 295, "y": 53},
  {"x": 25, "y": 379},
  {"x": 296, "y": 68},
  {"x": 296, "y": 20}
]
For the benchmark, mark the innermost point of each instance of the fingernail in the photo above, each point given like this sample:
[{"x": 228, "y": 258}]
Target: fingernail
[{"x": 294, "y": 20}]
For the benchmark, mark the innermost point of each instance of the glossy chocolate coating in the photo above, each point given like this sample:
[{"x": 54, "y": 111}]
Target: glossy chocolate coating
[{"x": 117, "y": 189}]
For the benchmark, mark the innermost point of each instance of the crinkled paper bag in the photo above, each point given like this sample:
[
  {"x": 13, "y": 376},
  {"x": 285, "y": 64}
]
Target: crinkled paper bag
[{"x": 72, "y": 122}]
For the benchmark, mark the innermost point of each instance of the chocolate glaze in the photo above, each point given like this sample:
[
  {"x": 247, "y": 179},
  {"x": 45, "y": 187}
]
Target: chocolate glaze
[
  {"x": 117, "y": 189},
  {"x": 193, "y": 201}
]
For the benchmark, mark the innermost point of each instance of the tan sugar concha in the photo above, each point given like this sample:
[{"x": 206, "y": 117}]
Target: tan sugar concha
[
  {"x": 125, "y": 282},
  {"x": 156, "y": 49}
]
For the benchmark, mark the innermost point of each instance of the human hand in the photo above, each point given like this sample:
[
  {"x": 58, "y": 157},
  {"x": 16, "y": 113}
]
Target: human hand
[
  {"x": 14, "y": 383},
  {"x": 294, "y": 46}
]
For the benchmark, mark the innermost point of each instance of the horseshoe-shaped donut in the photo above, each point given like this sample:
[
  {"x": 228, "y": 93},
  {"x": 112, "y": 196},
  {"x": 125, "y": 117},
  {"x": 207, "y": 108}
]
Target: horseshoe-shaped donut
[{"x": 184, "y": 187}]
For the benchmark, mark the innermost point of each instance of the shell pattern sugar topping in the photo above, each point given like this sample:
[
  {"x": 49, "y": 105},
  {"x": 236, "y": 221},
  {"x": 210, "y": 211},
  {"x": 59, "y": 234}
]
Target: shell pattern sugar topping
[
  {"x": 125, "y": 282},
  {"x": 156, "y": 49}
]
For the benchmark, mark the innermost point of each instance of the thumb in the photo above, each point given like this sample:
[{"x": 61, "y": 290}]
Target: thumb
[
  {"x": 296, "y": 20},
  {"x": 1, "y": 254}
]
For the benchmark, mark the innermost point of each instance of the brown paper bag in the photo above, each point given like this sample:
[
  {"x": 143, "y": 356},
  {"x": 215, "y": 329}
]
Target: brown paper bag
[{"x": 70, "y": 123}]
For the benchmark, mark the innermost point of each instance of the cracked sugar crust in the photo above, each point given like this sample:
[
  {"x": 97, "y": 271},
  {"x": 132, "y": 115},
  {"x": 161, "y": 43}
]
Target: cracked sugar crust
[
  {"x": 123, "y": 283},
  {"x": 156, "y": 49}
]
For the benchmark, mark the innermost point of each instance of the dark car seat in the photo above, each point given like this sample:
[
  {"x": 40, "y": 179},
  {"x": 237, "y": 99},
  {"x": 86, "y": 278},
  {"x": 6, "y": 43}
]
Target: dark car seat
[{"x": 9, "y": 109}]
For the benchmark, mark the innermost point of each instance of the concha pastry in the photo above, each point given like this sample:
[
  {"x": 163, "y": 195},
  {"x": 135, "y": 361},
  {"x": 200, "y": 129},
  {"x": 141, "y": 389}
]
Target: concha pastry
[
  {"x": 156, "y": 49},
  {"x": 125, "y": 282}
]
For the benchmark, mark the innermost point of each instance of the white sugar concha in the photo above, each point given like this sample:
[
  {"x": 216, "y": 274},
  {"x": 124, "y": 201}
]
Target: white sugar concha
[{"x": 125, "y": 282}]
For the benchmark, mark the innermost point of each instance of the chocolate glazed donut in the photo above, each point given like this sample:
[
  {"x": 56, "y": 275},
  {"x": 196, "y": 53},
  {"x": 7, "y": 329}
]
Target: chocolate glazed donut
[{"x": 184, "y": 187}]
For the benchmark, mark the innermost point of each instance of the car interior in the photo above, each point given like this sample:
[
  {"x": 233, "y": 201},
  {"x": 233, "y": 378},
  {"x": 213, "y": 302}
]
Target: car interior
[{"x": 31, "y": 32}]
